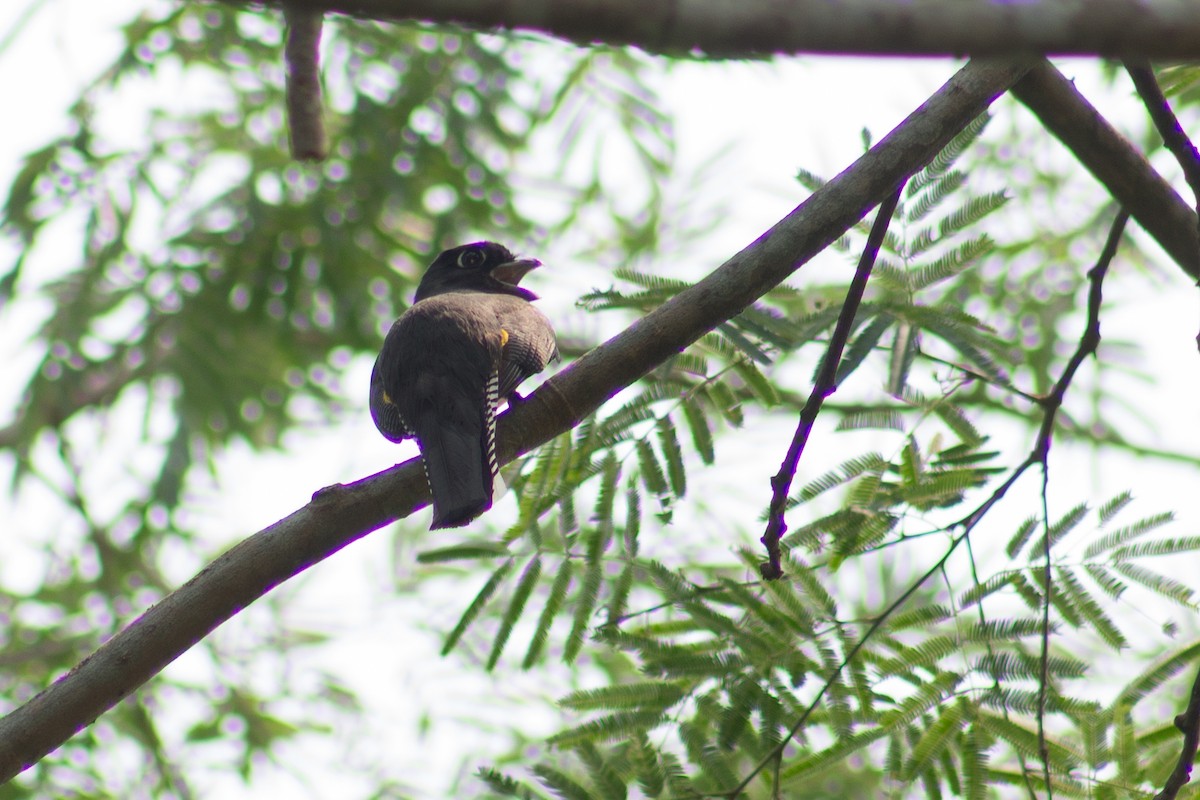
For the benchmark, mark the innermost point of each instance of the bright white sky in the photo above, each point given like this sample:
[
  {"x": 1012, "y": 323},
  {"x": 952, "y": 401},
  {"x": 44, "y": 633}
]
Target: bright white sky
[{"x": 776, "y": 117}]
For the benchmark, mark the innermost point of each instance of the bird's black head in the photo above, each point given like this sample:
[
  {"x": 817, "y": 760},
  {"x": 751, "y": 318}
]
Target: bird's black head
[{"x": 477, "y": 267}]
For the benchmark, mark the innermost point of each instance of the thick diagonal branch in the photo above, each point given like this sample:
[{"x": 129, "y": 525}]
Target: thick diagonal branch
[
  {"x": 340, "y": 514},
  {"x": 1114, "y": 162}
]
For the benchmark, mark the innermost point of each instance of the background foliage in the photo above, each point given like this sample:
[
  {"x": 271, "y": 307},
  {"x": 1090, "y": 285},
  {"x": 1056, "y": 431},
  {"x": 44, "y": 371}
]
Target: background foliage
[{"x": 221, "y": 295}]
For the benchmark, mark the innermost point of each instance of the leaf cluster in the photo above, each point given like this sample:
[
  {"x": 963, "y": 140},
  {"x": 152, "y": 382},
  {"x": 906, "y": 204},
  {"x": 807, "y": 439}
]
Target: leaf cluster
[{"x": 726, "y": 683}]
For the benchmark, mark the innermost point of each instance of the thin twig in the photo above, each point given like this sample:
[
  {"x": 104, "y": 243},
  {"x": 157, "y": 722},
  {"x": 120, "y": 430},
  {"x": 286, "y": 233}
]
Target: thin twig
[
  {"x": 1088, "y": 343},
  {"x": 824, "y": 386},
  {"x": 302, "y": 57},
  {"x": 991, "y": 654},
  {"x": 1168, "y": 126},
  {"x": 1172, "y": 133},
  {"x": 1109, "y": 156},
  {"x": 1189, "y": 723},
  {"x": 1050, "y": 404},
  {"x": 1044, "y": 656}
]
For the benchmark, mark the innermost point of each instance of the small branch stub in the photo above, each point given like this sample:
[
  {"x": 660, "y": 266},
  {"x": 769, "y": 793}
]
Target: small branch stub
[{"x": 302, "y": 59}]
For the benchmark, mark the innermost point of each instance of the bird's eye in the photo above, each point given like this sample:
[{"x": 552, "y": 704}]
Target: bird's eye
[{"x": 469, "y": 259}]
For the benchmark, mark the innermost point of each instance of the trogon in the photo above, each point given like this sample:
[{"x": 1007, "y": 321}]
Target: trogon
[{"x": 469, "y": 339}]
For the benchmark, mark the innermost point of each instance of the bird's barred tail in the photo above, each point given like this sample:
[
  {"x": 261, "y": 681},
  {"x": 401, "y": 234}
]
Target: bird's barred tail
[{"x": 491, "y": 402}]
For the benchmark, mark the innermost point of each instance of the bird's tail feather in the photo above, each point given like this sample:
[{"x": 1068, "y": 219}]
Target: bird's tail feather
[
  {"x": 459, "y": 447},
  {"x": 452, "y": 465}
]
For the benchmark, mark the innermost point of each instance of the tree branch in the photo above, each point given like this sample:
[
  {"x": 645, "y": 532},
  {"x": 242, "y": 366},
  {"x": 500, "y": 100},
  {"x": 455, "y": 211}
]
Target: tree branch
[
  {"x": 1156, "y": 29},
  {"x": 302, "y": 58},
  {"x": 1189, "y": 724},
  {"x": 1114, "y": 162},
  {"x": 341, "y": 514},
  {"x": 1168, "y": 126},
  {"x": 1089, "y": 341},
  {"x": 824, "y": 385}
]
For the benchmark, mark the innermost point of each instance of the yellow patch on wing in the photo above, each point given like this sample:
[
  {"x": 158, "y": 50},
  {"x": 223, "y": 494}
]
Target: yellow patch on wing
[
  {"x": 503, "y": 337},
  {"x": 387, "y": 398}
]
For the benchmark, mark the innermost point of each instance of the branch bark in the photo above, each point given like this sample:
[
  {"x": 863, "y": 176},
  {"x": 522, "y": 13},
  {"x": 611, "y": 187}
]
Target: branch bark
[
  {"x": 302, "y": 58},
  {"x": 1174, "y": 137},
  {"x": 342, "y": 514},
  {"x": 1150, "y": 29},
  {"x": 1114, "y": 162}
]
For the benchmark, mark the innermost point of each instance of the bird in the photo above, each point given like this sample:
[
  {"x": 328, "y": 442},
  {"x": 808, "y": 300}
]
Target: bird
[{"x": 471, "y": 336}]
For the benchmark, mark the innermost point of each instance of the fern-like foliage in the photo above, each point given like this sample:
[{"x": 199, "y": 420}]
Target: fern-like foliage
[{"x": 929, "y": 684}]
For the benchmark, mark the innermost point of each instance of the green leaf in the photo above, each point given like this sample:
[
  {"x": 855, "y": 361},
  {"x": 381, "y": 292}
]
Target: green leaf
[
  {"x": 879, "y": 419},
  {"x": 1064, "y": 525},
  {"x": 506, "y": 786},
  {"x": 930, "y": 694},
  {"x": 1018, "y": 540},
  {"x": 956, "y": 420},
  {"x": 971, "y": 213},
  {"x": 463, "y": 552},
  {"x": 1125, "y": 535},
  {"x": 697, "y": 422},
  {"x": 1161, "y": 585},
  {"x": 619, "y": 596},
  {"x": 1113, "y": 586},
  {"x": 936, "y": 737},
  {"x": 905, "y": 346},
  {"x": 554, "y": 603},
  {"x": 652, "y": 472},
  {"x": 657, "y": 695},
  {"x": 1025, "y": 742},
  {"x": 809, "y": 180},
  {"x": 735, "y": 715},
  {"x": 941, "y": 163},
  {"x": 1155, "y": 675},
  {"x": 668, "y": 440},
  {"x": 563, "y": 785},
  {"x": 529, "y": 578},
  {"x": 809, "y": 766},
  {"x": 585, "y": 600},
  {"x": 603, "y": 772},
  {"x": 610, "y": 727},
  {"x": 933, "y": 197},
  {"x": 758, "y": 383},
  {"x": 863, "y": 345},
  {"x": 633, "y": 519},
  {"x": 1113, "y": 507},
  {"x": 651, "y": 775},
  {"x": 952, "y": 263},
  {"x": 1089, "y": 608},
  {"x": 605, "y": 500},
  {"x": 477, "y": 605}
]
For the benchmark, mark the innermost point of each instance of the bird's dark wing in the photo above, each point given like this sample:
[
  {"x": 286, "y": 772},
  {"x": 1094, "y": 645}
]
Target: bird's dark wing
[
  {"x": 529, "y": 344},
  {"x": 384, "y": 411}
]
